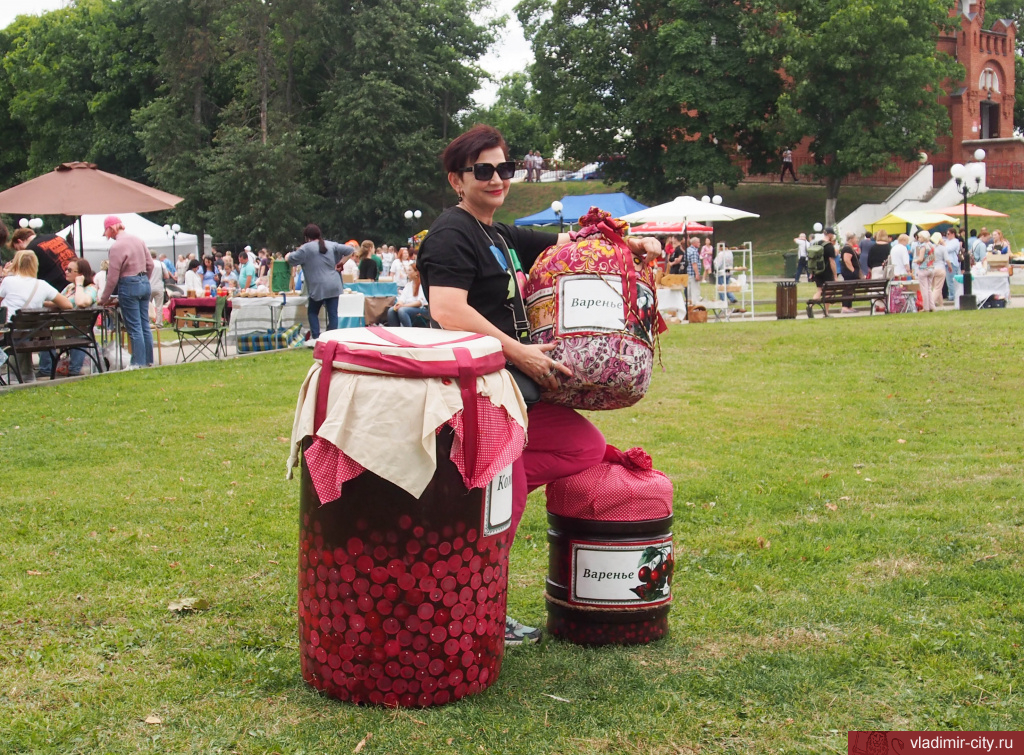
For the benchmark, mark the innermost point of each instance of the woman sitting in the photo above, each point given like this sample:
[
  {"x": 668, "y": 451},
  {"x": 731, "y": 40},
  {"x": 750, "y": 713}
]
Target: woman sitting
[
  {"x": 470, "y": 271},
  {"x": 412, "y": 302},
  {"x": 81, "y": 291},
  {"x": 22, "y": 290}
]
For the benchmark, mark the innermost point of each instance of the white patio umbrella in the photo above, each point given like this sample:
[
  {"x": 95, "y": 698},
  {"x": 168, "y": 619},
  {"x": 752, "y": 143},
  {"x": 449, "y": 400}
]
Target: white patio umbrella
[{"x": 683, "y": 209}]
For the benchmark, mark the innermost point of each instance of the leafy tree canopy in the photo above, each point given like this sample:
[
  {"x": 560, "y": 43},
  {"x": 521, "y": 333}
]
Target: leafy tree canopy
[
  {"x": 862, "y": 100},
  {"x": 672, "y": 89}
]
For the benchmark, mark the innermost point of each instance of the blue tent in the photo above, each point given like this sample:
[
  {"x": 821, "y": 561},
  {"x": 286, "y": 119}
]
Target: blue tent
[{"x": 574, "y": 207}]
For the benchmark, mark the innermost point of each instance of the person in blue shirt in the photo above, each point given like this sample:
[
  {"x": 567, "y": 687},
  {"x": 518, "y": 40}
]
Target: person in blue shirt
[{"x": 246, "y": 272}]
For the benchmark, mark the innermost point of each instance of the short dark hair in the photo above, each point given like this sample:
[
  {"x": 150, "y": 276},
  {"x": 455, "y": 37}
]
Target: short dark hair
[{"x": 466, "y": 148}]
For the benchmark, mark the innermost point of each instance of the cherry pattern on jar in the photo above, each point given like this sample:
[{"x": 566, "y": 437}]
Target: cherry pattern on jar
[
  {"x": 401, "y": 600},
  {"x": 609, "y": 583}
]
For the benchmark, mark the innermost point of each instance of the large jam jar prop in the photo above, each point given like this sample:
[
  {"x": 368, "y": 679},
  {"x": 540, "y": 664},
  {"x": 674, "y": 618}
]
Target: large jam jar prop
[
  {"x": 402, "y": 596},
  {"x": 611, "y": 557}
]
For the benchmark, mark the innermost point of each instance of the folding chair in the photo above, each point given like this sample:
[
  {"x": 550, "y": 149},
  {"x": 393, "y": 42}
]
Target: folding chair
[{"x": 207, "y": 334}]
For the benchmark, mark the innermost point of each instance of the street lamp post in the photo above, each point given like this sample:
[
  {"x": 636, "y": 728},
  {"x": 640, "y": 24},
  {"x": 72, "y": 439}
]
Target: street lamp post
[
  {"x": 412, "y": 215},
  {"x": 556, "y": 207},
  {"x": 964, "y": 175},
  {"x": 173, "y": 231}
]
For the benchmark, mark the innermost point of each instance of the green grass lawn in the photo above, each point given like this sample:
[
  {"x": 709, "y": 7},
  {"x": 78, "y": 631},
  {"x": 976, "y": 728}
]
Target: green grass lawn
[{"x": 849, "y": 526}]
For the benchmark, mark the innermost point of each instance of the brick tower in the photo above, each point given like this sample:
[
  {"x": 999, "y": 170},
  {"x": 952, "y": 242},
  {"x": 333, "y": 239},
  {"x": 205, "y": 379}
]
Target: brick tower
[{"x": 981, "y": 106}]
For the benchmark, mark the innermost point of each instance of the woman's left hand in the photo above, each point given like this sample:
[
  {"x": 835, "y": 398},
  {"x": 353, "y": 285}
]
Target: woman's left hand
[{"x": 647, "y": 245}]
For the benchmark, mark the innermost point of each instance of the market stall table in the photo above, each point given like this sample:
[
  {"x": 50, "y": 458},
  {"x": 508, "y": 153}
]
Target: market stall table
[
  {"x": 984, "y": 286},
  {"x": 350, "y": 311}
]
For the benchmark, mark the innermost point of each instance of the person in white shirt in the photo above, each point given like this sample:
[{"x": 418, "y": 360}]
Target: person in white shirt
[
  {"x": 387, "y": 256},
  {"x": 801, "y": 256},
  {"x": 156, "y": 291},
  {"x": 953, "y": 247},
  {"x": 22, "y": 290},
  {"x": 900, "y": 256},
  {"x": 723, "y": 274},
  {"x": 399, "y": 269},
  {"x": 412, "y": 301},
  {"x": 193, "y": 280}
]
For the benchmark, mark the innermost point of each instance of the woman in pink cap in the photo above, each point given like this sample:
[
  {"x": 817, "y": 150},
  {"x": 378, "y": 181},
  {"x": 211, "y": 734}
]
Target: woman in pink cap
[{"x": 130, "y": 267}]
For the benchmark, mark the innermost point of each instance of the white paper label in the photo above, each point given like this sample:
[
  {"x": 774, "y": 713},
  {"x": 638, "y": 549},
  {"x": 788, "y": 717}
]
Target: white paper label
[
  {"x": 498, "y": 503},
  {"x": 590, "y": 302},
  {"x": 633, "y": 574}
]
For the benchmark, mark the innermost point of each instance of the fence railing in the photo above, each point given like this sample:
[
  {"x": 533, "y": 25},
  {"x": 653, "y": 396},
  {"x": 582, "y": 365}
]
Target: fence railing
[{"x": 1000, "y": 175}]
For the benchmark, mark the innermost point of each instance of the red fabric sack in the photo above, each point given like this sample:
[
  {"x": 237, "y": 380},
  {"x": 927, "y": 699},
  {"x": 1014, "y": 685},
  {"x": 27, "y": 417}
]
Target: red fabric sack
[{"x": 623, "y": 488}]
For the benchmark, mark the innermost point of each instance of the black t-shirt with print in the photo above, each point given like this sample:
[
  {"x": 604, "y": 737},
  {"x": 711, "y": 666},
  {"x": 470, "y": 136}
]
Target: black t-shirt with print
[
  {"x": 54, "y": 256},
  {"x": 456, "y": 254}
]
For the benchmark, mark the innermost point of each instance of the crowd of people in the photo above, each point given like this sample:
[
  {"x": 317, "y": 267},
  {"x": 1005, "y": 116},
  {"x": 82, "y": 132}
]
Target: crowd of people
[
  {"x": 43, "y": 271},
  {"x": 697, "y": 260},
  {"x": 933, "y": 259}
]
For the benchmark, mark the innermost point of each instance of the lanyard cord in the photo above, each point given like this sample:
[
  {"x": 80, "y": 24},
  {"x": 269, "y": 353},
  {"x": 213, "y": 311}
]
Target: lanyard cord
[{"x": 522, "y": 324}]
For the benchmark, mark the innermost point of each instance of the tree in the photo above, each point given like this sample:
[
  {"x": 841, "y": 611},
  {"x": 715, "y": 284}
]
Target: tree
[
  {"x": 76, "y": 74},
  {"x": 177, "y": 126},
  {"x": 516, "y": 114},
  {"x": 862, "y": 101},
  {"x": 672, "y": 89},
  {"x": 394, "y": 90}
]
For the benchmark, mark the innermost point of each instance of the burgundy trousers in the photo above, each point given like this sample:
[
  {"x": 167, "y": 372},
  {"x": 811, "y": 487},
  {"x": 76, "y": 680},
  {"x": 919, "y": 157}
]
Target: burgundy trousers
[{"x": 560, "y": 442}]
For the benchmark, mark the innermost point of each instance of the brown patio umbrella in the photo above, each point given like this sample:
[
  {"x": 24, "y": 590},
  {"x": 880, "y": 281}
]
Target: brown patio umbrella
[
  {"x": 957, "y": 210},
  {"x": 83, "y": 189}
]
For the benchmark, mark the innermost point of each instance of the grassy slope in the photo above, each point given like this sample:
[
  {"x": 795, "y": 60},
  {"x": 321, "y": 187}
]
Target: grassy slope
[
  {"x": 887, "y": 595},
  {"x": 1010, "y": 202}
]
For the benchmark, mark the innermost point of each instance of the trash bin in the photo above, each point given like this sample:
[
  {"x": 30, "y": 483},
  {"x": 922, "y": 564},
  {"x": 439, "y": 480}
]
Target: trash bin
[
  {"x": 785, "y": 300},
  {"x": 403, "y": 564},
  {"x": 611, "y": 557},
  {"x": 790, "y": 264}
]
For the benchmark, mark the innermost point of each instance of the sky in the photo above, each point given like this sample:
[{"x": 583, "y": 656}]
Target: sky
[{"x": 511, "y": 53}]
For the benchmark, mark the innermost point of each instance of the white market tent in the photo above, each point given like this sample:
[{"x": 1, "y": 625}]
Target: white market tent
[{"x": 97, "y": 246}]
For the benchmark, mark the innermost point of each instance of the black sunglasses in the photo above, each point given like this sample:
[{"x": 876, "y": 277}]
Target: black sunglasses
[{"x": 484, "y": 171}]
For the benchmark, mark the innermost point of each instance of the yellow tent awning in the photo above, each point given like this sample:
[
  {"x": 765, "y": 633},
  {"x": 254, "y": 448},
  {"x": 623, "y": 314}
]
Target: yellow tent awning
[{"x": 896, "y": 222}]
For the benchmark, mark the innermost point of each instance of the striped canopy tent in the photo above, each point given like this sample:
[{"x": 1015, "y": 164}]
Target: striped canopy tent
[
  {"x": 669, "y": 229},
  {"x": 899, "y": 222}
]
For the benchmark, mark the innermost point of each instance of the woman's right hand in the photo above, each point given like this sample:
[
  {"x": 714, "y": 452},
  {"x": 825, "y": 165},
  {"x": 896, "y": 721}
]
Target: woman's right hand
[{"x": 535, "y": 363}]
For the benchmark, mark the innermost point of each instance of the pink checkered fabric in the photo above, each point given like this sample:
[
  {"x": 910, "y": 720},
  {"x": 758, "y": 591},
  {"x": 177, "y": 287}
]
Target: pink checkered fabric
[
  {"x": 500, "y": 442},
  {"x": 622, "y": 488}
]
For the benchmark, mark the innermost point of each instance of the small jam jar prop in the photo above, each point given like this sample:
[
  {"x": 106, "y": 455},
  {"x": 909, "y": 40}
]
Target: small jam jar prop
[
  {"x": 403, "y": 566},
  {"x": 611, "y": 556}
]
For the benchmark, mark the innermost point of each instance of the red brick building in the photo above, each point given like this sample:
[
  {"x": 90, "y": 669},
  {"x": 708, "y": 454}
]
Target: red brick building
[{"x": 980, "y": 107}]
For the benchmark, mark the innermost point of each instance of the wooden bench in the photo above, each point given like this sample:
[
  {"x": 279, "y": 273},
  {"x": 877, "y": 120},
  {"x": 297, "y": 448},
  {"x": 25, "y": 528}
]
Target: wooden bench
[
  {"x": 835, "y": 292},
  {"x": 31, "y": 331}
]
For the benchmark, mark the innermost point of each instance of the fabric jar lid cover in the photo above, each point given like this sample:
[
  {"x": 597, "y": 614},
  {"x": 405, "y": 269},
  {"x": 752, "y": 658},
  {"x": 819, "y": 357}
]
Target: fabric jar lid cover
[{"x": 409, "y": 352}]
